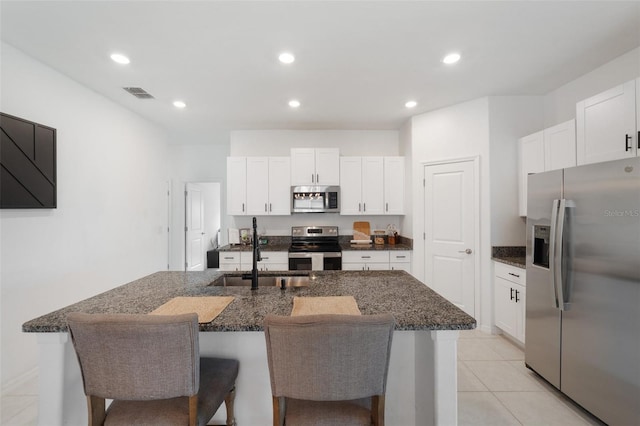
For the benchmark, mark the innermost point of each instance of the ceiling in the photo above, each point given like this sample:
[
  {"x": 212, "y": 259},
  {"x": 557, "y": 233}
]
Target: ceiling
[{"x": 357, "y": 62}]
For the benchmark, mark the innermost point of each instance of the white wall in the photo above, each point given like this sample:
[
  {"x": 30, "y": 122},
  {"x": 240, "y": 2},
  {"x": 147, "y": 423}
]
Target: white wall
[
  {"x": 560, "y": 104},
  {"x": 194, "y": 163},
  {"x": 510, "y": 118},
  {"x": 109, "y": 227}
]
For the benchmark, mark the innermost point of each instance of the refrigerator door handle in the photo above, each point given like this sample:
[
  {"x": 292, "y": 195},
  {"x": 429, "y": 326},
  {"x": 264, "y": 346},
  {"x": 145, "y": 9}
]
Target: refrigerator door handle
[
  {"x": 552, "y": 251},
  {"x": 558, "y": 257}
]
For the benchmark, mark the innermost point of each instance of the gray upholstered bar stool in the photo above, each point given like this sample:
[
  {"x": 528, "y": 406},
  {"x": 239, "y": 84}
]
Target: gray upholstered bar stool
[
  {"x": 328, "y": 369},
  {"x": 150, "y": 366}
]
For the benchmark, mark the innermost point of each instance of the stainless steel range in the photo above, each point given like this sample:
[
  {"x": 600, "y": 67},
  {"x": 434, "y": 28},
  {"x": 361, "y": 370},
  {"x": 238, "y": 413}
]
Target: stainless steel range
[{"x": 315, "y": 248}]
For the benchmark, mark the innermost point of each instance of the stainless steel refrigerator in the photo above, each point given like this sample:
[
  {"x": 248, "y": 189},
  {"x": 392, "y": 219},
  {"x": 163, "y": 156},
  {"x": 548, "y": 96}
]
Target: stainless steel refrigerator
[{"x": 583, "y": 286}]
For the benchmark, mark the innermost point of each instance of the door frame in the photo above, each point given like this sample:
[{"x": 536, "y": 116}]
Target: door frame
[
  {"x": 476, "y": 224},
  {"x": 182, "y": 231}
]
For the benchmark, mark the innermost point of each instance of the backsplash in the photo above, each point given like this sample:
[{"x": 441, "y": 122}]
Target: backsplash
[{"x": 508, "y": 251}]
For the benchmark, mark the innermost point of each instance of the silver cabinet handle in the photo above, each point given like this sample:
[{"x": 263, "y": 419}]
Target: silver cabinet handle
[
  {"x": 265, "y": 207},
  {"x": 467, "y": 251},
  {"x": 387, "y": 206},
  {"x": 317, "y": 178},
  {"x": 400, "y": 257},
  {"x": 359, "y": 207},
  {"x": 364, "y": 208},
  {"x": 365, "y": 257},
  {"x": 312, "y": 178},
  {"x": 270, "y": 207},
  {"x": 243, "y": 207}
]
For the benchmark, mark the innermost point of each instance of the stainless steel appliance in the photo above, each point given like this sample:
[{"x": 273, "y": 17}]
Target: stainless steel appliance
[
  {"x": 315, "y": 199},
  {"x": 583, "y": 286},
  {"x": 315, "y": 248}
]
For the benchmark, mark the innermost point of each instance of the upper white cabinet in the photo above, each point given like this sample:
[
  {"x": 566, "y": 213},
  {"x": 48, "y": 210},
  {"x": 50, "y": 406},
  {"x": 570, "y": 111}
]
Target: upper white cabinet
[
  {"x": 371, "y": 185},
  {"x": 264, "y": 186},
  {"x": 236, "y": 186},
  {"x": 394, "y": 185},
  {"x": 549, "y": 149},
  {"x": 606, "y": 126},
  {"x": 315, "y": 166}
]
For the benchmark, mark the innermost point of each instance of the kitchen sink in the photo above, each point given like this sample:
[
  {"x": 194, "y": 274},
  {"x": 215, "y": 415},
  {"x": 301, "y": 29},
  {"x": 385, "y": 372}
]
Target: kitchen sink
[{"x": 263, "y": 281}]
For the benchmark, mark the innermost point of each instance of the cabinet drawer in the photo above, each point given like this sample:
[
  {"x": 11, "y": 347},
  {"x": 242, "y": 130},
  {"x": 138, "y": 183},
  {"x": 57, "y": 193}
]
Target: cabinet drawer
[
  {"x": 367, "y": 256},
  {"x": 229, "y": 257},
  {"x": 267, "y": 257},
  {"x": 400, "y": 256},
  {"x": 510, "y": 273}
]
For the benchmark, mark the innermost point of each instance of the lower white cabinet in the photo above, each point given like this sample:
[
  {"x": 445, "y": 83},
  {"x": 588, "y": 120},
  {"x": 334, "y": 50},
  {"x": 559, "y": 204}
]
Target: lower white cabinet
[
  {"x": 229, "y": 261},
  {"x": 400, "y": 260},
  {"x": 376, "y": 260},
  {"x": 510, "y": 299},
  {"x": 271, "y": 261}
]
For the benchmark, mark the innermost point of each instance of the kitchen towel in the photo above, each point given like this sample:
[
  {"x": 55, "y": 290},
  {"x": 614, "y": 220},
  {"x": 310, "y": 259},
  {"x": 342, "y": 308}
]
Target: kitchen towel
[
  {"x": 207, "y": 307},
  {"x": 345, "y": 305}
]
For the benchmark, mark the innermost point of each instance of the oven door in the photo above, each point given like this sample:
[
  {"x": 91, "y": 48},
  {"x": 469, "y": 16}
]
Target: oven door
[{"x": 315, "y": 261}]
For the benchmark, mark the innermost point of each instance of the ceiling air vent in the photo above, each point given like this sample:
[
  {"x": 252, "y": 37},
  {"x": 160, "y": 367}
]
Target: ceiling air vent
[{"x": 138, "y": 92}]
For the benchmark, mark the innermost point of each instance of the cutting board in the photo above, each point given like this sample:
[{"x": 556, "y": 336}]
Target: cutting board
[{"x": 361, "y": 231}]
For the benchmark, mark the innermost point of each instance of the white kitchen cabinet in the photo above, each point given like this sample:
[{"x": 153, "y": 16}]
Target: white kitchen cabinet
[
  {"x": 400, "y": 260},
  {"x": 606, "y": 126},
  {"x": 394, "y": 185},
  {"x": 530, "y": 160},
  {"x": 236, "y": 185},
  {"x": 315, "y": 166},
  {"x": 510, "y": 300},
  {"x": 365, "y": 260},
  {"x": 229, "y": 261},
  {"x": 371, "y": 185},
  {"x": 266, "y": 186},
  {"x": 550, "y": 149},
  {"x": 270, "y": 261},
  {"x": 560, "y": 146}
]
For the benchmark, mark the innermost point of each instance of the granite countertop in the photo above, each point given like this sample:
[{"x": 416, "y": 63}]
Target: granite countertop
[
  {"x": 263, "y": 247},
  {"x": 359, "y": 247},
  {"x": 511, "y": 255},
  {"x": 414, "y": 305}
]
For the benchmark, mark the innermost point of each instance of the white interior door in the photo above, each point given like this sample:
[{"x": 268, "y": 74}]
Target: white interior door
[
  {"x": 194, "y": 224},
  {"x": 450, "y": 220}
]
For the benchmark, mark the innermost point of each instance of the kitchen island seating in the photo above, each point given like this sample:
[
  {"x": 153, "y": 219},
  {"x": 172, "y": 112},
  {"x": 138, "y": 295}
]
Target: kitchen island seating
[
  {"x": 328, "y": 369},
  {"x": 150, "y": 366}
]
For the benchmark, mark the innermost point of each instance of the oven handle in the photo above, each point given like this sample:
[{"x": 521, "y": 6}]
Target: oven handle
[{"x": 309, "y": 254}]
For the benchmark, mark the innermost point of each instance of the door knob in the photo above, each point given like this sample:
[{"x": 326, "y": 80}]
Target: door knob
[{"x": 468, "y": 251}]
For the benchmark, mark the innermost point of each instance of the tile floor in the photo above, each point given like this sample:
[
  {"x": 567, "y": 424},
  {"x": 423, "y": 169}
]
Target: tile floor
[{"x": 494, "y": 388}]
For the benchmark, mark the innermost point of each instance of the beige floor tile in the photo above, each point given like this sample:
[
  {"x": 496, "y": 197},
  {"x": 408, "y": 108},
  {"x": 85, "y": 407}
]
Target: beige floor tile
[
  {"x": 467, "y": 381},
  {"x": 507, "y": 349},
  {"x": 483, "y": 409},
  {"x": 12, "y": 405},
  {"x": 476, "y": 334},
  {"x": 477, "y": 349},
  {"x": 540, "y": 408},
  {"x": 500, "y": 376},
  {"x": 25, "y": 416},
  {"x": 520, "y": 366}
]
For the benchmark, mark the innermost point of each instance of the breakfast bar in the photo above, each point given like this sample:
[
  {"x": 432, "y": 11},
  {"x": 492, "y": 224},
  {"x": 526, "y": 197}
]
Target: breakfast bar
[{"x": 421, "y": 387}]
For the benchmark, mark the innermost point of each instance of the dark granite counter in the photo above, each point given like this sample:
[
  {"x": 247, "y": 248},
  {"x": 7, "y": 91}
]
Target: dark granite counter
[
  {"x": 359, "y": 247},
  {"x": 414, "y": 305},
  {"x": 263, "y": 247},
  {"x": 514, "y": 256}
]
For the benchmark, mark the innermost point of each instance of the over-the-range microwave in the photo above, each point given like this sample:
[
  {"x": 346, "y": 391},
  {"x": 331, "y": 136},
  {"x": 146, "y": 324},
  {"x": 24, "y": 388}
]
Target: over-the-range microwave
[{"x": 315, "y": 199}]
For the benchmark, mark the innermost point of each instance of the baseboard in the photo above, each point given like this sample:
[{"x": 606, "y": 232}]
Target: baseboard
[
  {"x": 487, "y": 329},
  {"x": 11, "y": 386}
]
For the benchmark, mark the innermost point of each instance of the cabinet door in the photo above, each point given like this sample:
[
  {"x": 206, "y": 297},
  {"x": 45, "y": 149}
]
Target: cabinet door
[
  {"x": 303, "y": 166},
  {"x": 327, "y": 166},
  {"x": 531, "y": 160},
  {"x": 560, "y": 146},
  {"x": 377, "y": 267},
  {"x": 257, "y": 185},
  {"x": 394, "y": 185},
  {"x": 353, "y": 266},
  {"x": 505, "y": 308},
  {"x": 372, "y": 185},
  {"x": 279, "y": 186},
  {"x": 521, "y": 303},
  {"x": 236, "y": 185},
  {"x": 606, "y": 125},
  {"x": 350, "y": 185},
  {"x": 404, "y": 266}
]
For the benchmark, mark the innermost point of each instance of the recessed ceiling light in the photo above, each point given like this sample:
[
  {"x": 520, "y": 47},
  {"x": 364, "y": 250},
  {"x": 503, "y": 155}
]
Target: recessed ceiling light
[
  {"x": 451, "y": 58},
  {"x": 179, "y": 104},
  {"x": 294, "y": 103},
  {"x": 120, "y": 58},
  {"x": 286, "y": 58},
  {"x": 411, "y": 104}
]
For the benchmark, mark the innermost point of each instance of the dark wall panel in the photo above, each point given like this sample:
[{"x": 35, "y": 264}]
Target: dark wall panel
[{"x": 27, "y": 163}]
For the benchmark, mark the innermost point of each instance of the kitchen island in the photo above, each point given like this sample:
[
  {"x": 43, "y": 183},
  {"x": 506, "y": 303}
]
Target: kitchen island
[{"x": 421, "y": 387}]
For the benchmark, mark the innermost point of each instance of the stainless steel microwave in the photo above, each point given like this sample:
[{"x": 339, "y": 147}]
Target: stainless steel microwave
[{"x": 315, "y": 199}]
